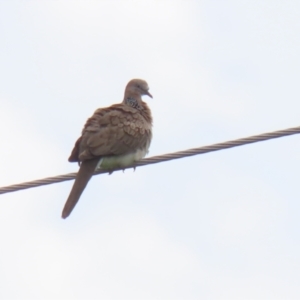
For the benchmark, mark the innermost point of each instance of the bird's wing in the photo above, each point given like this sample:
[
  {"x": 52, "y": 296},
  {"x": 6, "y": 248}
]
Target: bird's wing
[{"x": 111, "y": 131}]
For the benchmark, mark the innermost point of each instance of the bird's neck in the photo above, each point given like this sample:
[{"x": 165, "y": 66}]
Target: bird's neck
[{"x": 135, "y": 101}]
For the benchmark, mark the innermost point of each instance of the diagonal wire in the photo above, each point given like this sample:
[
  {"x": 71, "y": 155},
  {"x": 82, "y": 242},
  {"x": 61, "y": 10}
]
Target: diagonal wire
[{"x": 160, "y": 158}]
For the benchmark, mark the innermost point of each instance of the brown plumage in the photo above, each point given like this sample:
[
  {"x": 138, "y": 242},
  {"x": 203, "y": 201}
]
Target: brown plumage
[{"x": 114, "y": 137}]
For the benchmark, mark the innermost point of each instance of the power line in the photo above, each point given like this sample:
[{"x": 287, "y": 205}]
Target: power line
[{"x": 160, "y": 158}]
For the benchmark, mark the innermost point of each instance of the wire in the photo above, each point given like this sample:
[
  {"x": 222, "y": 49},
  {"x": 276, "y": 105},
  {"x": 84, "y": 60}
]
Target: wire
[{"x": 160, "y": 158}]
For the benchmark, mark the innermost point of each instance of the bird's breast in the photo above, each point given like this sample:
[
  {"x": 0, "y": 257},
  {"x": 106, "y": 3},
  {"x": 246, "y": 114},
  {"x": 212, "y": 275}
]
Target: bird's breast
[{"x": 121, "y": 161}]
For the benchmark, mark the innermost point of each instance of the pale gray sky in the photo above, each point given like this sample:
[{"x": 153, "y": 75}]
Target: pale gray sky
[{"x": 223, "y": 225}]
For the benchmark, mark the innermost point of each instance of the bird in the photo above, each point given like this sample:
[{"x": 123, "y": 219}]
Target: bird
[{"x": 113, "y": 137}]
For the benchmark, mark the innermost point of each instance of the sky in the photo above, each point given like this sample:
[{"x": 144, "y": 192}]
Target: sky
[{"x": 223, "y": 225}]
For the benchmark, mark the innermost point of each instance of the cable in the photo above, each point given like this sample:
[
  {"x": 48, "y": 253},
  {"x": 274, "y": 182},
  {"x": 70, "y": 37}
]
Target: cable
[{"x": 160, "y": 158}]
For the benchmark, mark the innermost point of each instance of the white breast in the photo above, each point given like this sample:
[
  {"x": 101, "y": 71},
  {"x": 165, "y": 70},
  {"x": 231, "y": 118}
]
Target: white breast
[{"x": 113, "y": 162}]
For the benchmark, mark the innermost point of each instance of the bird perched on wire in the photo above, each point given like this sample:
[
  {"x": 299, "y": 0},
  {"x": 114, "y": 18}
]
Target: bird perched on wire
[{"x": 114, "y": 137}]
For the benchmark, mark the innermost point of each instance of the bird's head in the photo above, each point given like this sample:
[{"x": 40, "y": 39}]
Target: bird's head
[{"x": 137, "y": 87}]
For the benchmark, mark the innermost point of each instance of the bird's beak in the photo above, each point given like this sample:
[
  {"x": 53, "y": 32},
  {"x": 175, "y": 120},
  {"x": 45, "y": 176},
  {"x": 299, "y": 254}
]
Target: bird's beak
[{"x": 147, "y": 93}]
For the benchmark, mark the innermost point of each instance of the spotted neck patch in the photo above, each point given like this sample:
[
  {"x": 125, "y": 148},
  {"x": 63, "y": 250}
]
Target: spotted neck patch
[{"x": 133, "y": 103}]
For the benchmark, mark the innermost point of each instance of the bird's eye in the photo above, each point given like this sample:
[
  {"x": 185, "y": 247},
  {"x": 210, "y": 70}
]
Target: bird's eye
[{"x": 138, "y": 86}]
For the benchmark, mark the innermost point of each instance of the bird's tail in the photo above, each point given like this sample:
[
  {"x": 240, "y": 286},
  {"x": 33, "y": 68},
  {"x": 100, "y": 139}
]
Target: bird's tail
[{"x": 83, "y": 176}]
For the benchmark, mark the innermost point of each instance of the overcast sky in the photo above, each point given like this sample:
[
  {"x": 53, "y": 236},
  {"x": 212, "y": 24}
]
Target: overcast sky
[{"x": 224, "y": 225}]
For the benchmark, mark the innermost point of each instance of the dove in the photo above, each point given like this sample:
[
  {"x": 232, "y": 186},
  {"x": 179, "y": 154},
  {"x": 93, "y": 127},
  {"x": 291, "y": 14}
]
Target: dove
[{"x": 113, "y": 137}]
